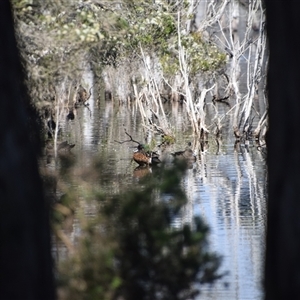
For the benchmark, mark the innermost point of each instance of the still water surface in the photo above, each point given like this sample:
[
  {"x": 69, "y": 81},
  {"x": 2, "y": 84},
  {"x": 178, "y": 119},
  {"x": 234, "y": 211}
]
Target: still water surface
[{"x": 226, "y": 187}]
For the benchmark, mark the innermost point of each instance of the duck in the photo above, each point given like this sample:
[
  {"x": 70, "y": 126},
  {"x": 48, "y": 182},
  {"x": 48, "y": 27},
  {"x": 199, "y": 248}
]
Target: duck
[
  {"x": 143, "y": 158},
  {"x": 82, "y": 96},
  {"x": 63, "y": 146},
  {"x": 71, "y": 115},
  {"x": 187, "y": 153},
  {"x": 63, "y": 151}
]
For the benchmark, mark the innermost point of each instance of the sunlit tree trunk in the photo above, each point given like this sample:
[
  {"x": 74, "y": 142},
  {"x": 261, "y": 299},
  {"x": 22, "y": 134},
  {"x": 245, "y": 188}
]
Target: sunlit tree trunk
[
  {"x": 25, "y": 257},
  {"x": 282, "y": 271}
]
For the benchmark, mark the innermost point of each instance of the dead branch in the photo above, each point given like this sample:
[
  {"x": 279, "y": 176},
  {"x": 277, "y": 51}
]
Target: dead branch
[
  {"x": 90, "y": 93},
  {"x": 218, "y": 130},
  {"x": 65, "y": 239},
  {"x": 222, "y": 100},
  {"x": 262, "y": 121},
  {"x": 131, "y": 139}
]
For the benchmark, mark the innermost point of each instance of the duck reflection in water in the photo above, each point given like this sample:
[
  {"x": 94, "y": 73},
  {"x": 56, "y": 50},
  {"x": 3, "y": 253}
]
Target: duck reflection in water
[{"x": 142, "y": 171}]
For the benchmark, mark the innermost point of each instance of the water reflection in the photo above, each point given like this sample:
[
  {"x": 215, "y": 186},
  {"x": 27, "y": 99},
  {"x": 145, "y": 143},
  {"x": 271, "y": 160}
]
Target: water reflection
[
  {"x": 226, "y": 186},
  {"x": 231, "y": 198},
  {"x": 141, "y": 171}
]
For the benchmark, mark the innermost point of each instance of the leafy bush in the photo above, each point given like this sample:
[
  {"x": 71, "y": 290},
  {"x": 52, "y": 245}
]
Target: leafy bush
[{"x": 131, "y": 250}]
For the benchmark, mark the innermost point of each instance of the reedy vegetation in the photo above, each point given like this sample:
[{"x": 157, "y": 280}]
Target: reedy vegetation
[
  {"x": 146, "y": 52},
  {"x": 60, "y": 39}
]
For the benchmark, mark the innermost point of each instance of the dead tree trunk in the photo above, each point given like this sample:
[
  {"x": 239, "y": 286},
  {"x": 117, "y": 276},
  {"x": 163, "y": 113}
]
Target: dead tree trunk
[
  {"x": 282, "y": 270},
  {"x": 25, "y": 257}
]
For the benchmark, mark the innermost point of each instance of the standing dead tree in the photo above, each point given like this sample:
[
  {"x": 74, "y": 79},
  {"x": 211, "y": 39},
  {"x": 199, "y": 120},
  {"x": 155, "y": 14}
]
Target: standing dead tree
[{"x": 241, "y": 32}]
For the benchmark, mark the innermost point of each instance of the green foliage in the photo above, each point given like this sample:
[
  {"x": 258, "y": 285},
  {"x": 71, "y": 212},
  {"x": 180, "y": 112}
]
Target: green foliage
[
  {"x": 90, "y": 275},
  {"x": 168, "y": 139},
  {"x": 170, "y": 63},
  {"x": 57, "y": 37},
  {"x": 154, "y": 27},
  {"x": 131, "y": 249},
  {"x": 151, "y": 28},
  {"x": 201, "y": 56}
]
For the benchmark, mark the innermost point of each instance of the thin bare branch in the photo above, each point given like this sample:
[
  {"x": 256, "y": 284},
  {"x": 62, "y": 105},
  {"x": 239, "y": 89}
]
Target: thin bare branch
[{"x": 131, "y": 139}]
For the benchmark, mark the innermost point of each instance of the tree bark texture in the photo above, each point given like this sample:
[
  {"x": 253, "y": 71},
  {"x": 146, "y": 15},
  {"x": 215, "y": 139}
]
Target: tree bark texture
[
  {"x": 282, "y": 269},
  {"x": 25, "y": 252}
]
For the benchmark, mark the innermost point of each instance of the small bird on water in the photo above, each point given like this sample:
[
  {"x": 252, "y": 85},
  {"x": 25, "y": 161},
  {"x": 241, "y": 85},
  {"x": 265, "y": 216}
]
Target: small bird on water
[
  {"x": 187, "y": 153},
  {"x": 144, "y": 158},
  {"x": 63, "y": 146}
]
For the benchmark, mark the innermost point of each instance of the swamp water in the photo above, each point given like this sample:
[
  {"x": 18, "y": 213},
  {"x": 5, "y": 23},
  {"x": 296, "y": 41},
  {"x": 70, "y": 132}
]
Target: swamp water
[{"x": 226, "y": 186}]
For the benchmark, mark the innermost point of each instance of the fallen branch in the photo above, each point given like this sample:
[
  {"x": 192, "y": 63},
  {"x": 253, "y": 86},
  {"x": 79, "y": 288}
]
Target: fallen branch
[
  {"x": 222, "y": 100},
  {"x": 131, "y": 139}
]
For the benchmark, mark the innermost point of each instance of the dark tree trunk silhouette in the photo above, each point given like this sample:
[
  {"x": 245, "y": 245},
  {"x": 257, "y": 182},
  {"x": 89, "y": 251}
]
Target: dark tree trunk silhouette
[
  {"x": 282, "y": 271},
  {"x": 25, "y": 252}
]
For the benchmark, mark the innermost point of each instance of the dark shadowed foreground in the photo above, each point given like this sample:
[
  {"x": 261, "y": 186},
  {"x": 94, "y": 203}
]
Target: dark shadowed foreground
[
  {"x": 25, "y": 260},
  {"x": 282, "y": 272}
]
